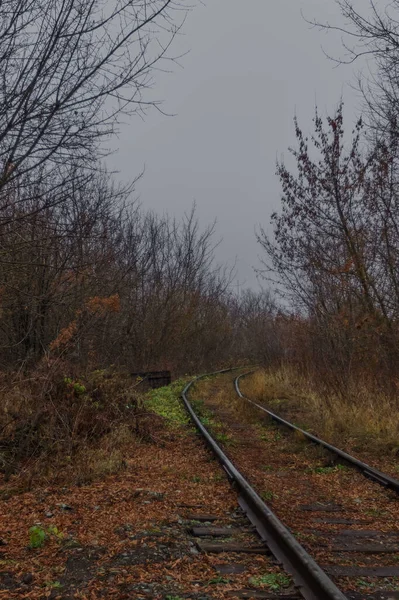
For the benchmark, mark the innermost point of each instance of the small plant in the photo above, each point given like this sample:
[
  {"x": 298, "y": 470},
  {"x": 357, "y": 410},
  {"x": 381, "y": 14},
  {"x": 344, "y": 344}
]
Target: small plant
[
  {"x": 37, "y": 536},
  {"x": 56, "y": 585},
  {"x": 196, "y": 479},
  {"x": 274, "y": 581},
  {"x": 267, "y": 496},
  {"x": 375, "y": 512},
  {"x": 54, "y": 531},
  {"x": 364, "y": 584},
  {"x": 223, "y": 438},
  {"x": 77, "y": 387}
]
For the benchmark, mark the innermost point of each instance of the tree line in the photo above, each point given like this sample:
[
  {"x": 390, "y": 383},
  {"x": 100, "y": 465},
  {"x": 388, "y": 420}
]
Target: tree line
[
  {"x": 87, "y": 274},
  {"x": 334, "y": 252}
]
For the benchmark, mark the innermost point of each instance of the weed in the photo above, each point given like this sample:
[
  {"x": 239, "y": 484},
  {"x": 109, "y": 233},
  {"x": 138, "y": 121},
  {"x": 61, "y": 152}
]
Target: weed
[
  {"x": 274, "y": 581},
  {"x": 375, "y": 512},
  {"x": 364, "y": 584},
  {"x": 196, "y": 479},
  {"x": 56, "y": 585},
  {"x": 207, "y": 418},
  {"x": 223, "y": 438},
  {"x": 37, "y": 536},
  {"x": 54, "y": 531},
  {"x": 76, "y": 386},
  {"x": 166, "y": 402},
  {"x": 217, "y": 580},
  {"x": 267, "y": 496}
]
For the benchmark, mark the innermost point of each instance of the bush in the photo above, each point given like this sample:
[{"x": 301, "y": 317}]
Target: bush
[{"x": 53, "y": 418}]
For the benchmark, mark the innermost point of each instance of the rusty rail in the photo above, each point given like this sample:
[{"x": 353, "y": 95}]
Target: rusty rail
[
  {"x": 312, "y": 582},
  {"x": 369, "y": 472}
]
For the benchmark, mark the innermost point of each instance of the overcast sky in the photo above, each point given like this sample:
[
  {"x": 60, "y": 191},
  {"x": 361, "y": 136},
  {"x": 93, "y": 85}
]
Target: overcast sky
[{"x": 252, "y": 65}]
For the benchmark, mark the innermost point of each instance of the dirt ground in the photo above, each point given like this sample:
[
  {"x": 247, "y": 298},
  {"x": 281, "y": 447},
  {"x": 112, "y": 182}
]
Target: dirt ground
[{"x": 127, "y": 536}]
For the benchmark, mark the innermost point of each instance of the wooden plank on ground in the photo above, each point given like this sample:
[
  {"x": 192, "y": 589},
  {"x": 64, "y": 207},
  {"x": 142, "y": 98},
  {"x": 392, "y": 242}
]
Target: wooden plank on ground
[
  {"x": 230, "y": 569},
  {"x": 361, "y": 571},
  {"x": 213, "y": 548},
  {"x": 321, "y": 507},
  {"x": 261, "y": 594},
  {"x": 214, "y": 531},
  {"x": 367, "y": 533},
  {"x": 202, "y": 518},
  {"x": 351, "y": 595},
  {"x": 339, "y": 521},
  {"x": 366, "y": 548}
]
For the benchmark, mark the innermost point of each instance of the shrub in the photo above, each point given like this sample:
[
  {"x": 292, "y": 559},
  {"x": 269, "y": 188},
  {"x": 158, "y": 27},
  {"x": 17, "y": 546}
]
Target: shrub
[{"x": 54, "y": 417}]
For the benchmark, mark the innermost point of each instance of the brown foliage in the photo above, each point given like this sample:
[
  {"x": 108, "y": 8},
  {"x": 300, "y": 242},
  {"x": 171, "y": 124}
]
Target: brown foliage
[
  {"x": 97, "y": 307},
  {"x": 335, "y": 254},
  {"x": 54, "y": 416}
]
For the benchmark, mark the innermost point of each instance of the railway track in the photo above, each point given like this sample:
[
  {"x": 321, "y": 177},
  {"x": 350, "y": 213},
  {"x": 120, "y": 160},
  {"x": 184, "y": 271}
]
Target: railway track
[
  {"x": 368, "y": 471},
  {"x": 343, "y": 536}
]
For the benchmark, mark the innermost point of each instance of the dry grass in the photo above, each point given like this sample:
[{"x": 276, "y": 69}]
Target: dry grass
[
  {"x": 56, "y": 428},
  {"x": 220, "y": 393},
  {"x": 362, "y": 420}
]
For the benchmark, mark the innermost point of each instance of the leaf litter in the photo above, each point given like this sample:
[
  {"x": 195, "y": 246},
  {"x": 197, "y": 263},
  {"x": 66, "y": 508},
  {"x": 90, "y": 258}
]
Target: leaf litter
[{"x": 126, "y": 535}]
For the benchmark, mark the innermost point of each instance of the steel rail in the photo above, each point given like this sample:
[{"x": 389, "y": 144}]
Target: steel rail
[
  {"x": 311, "y": 581},
  {"x": 381, "y": 478}
]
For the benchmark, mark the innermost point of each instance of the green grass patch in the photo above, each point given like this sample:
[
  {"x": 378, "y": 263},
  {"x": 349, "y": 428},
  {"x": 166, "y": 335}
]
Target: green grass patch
[
  {"x": 267, "y": 496},
  {"x": 223, "y": 438},
  {"x": 274, "y": 581},
  {"x": 219, "y": 580},
  {"x": 166, "y": 402}
]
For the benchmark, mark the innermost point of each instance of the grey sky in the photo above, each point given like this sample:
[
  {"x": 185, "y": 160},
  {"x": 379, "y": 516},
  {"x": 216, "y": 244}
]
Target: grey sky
[{"x": 252, "y": 65}]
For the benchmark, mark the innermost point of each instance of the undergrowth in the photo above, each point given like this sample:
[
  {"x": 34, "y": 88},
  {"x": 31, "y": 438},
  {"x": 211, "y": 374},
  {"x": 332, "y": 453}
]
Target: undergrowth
[
  {"x": 362, "y": 419},
  {"x": 58, "y": 426},
  {"x": 166, "y": 403}
]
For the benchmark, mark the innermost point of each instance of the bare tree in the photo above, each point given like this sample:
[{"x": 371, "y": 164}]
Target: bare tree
[
  {"x": 253, "y": 315},
  {"x": 373, "y": 32},
  {"x": 335, "y": 252},
  {"x": 68, "y": 70}
]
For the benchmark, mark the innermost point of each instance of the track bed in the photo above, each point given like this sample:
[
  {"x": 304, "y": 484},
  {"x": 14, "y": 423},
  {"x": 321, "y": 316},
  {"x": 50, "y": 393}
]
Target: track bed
[{"x": 347, "y": 523}]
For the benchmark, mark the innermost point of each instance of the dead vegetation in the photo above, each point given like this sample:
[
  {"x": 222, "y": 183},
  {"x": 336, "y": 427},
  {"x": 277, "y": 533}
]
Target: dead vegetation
[
  {"x": 363, "y": 419},
  {"x": 57, "y": 426}
]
